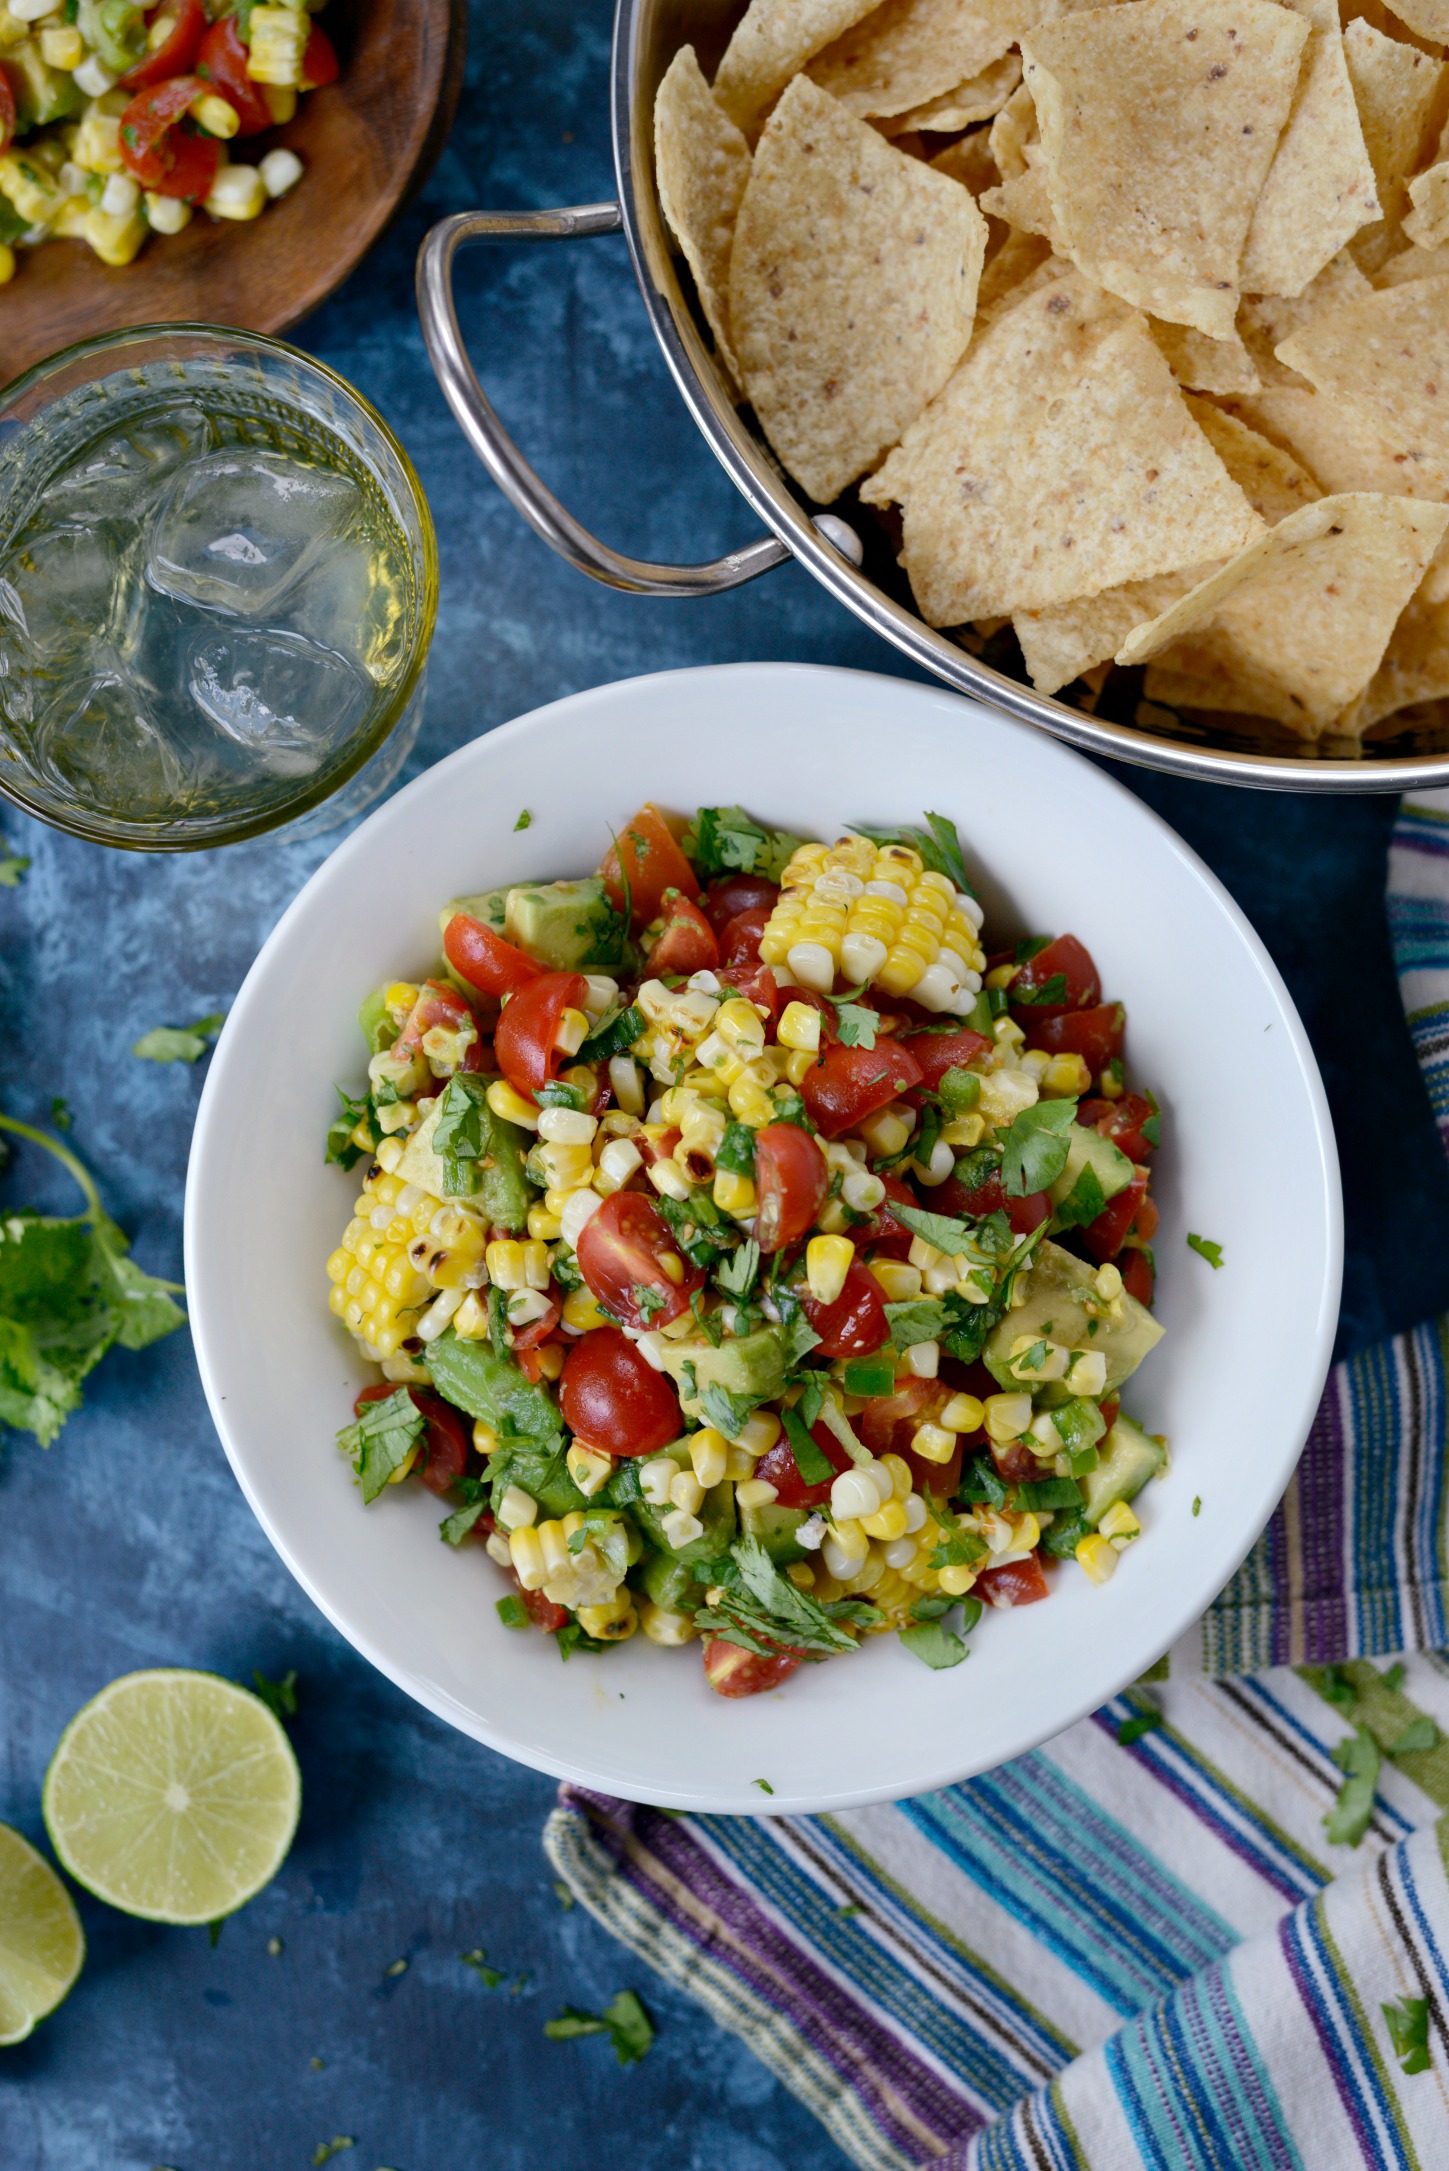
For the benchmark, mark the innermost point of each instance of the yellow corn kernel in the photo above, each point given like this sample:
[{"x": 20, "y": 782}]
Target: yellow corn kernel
[
  {"x": 799, "y": 1028},
  {"x": 1007, "y": 1416},
  {"x": 889, "y": 1523},
  {"x": 278, "y": 45},
  {"x": 62, "y": 48},
  {"x": 828, "y": 1259},
  {"x": 900, "y": 1283},
  {"x": 759, "y": 1433},
  {"x": 755, "y": 1492},
  {"x": 886, "y": 1132},
  {"x": 470, "y": 1321},
  {"x": 216, "y": 115},
  {"x": 733, "y": 1194},
  {"x": 1001, "y": 976},
  {"x": 525, "y": 1551},
  {"x": 589, "y": 1468},
  {"x": 551, "y": 1359},
  {"x": 553, "y": 1537},
  {"x": 708, "y": 1452},
  {"x": 1066, "y": 1077},
  {"x": 613, "y": 1622},
  {"x": 281, "y": 103},
  {"x": 740, "y": 1024},
  {"x": 398, "y": 1000},
  {"x": 511, "y": 1106},
  {"x": 1119, "y": 1522},
  {"x": 572, "y": 1031},
  {"x": 544, "y": 1226},
  {"x": 963, "y": 1413},
  {"x": 337, "y": 1300},
  {"x": 956, "y": 1581},
  {"x": 750, "y": 1102},
  {"x": 1097, "y": 1557},
  {"x": 798, "y": 1065},
  {"x": 898, "y": 1470},
  {"x": 505, "y": 1263},
  {"x": 686, "y": 1492},
  {"x": 485, "y": 1439},
  {"x": 666, "y": 1628},
  {"x": 580, "y": 1312},
  {"x": 933, "y": 1443},
  {"x": 339, "y": 1266},
  {"x": 964, "y": 1131},
  {"x": 564, "y": 1168},
  {"x": 535, "y": 1264},
  {"x": 395, "y": 1477}
]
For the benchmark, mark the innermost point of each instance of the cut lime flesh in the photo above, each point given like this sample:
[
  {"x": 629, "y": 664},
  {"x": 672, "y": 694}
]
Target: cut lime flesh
[
  {"x": 42, "y": 1945},
  {"x": 173, "y": 1795}
]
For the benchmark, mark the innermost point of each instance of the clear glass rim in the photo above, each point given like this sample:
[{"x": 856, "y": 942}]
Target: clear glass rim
[{"x": 96, "y": 830}]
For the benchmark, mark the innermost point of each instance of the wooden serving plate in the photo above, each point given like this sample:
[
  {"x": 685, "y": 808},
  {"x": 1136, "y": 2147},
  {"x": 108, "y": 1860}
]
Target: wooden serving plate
[{"x": 367, "y": 141}]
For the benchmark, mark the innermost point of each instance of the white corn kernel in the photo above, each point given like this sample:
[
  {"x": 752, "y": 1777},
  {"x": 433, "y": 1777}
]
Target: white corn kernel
[
  {"x": 840, "y": 1554},
  {"x": 686, "y": 1491},
  {"x": 923, "y": 1359},
  {"x": 709, "y": 1453},
  {"x": 626, "y": 1084},
  {"x": 813, "y": 966},
  {"x": 681, "y": 1529},
  {"x": 495, "y": 1545},
  {"x": 237, "y": 193},
  {"x": 567, "y": 1126},
  {"x": 578, "y": 1210},
  {"x": 93, "y": 78},
  {"x": 517, "y": 1509},
  {"x": 666, "y": 1628},
  {"x": 617, "y": 1163},
  {"x": 655, "y": 1478},
  {"x": 1108, "y": 1282},
  {"x": 669, "y": 1180},
  {"x": 1088, "y": 1375},
  {"x": 1007, "y": 1416},
  {"x": 861, "y": 1191},
  {"x": 120, "y": 196},
  {"x": 915, "y": 1508},
  {"x": 438, "y": 1314},
  {"x": 167, "y": 214},
  {"x": 898, "y": 1553},
  {"x": 759, "y": 1433},
  {"x": 852, "y": 1495},
  {"x": 941, "y": 1164},
  {"x": 280, "y": 170}
]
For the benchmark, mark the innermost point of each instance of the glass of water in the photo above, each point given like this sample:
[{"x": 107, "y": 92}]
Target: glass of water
[{"x": 218, "y": 585}]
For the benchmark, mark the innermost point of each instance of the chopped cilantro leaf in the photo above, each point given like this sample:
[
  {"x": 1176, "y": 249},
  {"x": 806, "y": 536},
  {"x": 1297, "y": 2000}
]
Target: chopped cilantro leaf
[
  {"x": 280, "y": 1697},
  {"x": 1083, "y": 1203},
  {"x": 478, "y": 1961},
  {"x": 1334, "y": 1684},
  {"x": 525, "y": 820},
  {"x": 1407, "y": 2021},
  {"x": 1050, "y": 995},
  {"x": 947, "y": 1234},
  {"x": 1197, "y": 1504},
  {"x": 761, "y": 1610},
  {"x": 1204, "y": 1246},
  {"x": 790, "y": 1108},
  {"x": 382, "y": 1439},
  {"x": 934, "y": 1644},
  {"x": 813, "y": 1464},
  {"x": 1035, "y": 1148},
  {"x": 1358, "y": 1756},
  {"x": 963, "y": 1549},
  {"x": 623, "y": 2020},
  {"x": 938, "y": 844},
  {"x": 763, "y": 1785},
  {"x": 736, "y": 1150},
  {"x": 460, "y": 1133},
  {"x": 736, "y": 1275},
  {"x": 1140, "y": 1723},
  {"x": 726, "y": 840},
  {"x": 184, "y": 1044},
  {"x": 1393, "y": 1677},
  {"x": 11, "y": 868},
  {"x": 559, "y": 1094},
  {"x": 613, "y": 1036},
  {"x": 920, "y": 1319}
]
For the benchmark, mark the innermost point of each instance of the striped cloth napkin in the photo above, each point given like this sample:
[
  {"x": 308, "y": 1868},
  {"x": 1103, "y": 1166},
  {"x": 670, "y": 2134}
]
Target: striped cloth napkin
[{"x": 1148, "y": 1951}]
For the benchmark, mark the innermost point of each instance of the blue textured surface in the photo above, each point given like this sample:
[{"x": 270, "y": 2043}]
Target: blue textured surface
[{"x": 129, "y": 1544}]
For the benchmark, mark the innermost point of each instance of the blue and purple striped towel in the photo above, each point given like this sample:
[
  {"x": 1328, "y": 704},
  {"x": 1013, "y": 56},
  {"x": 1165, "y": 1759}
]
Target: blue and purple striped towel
[{"x": 1110, "y": 1954}]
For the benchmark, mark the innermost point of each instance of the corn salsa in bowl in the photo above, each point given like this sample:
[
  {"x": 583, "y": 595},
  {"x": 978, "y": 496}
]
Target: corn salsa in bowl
[{"x": 750, "y": 1253}]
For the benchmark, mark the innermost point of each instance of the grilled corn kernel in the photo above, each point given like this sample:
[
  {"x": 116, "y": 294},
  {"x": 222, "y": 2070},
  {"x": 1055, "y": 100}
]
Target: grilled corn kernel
[
  {"x": 278, "y": 45},
  {"x": 799, "y": 1028},
  {"x": 750, "y": 1102},
  {"x": 663, "y": 1627},
  {"x": 885, "y": 1133},
  {"x": 589, "y": 1468},
  {"x": 511, "y": 1106},
  {"x": 1119, "y": 1523},
  {"x": 828, "y": 1259},
  {"x": 708, "y": 1452},
  {"x": 525, "y": 1550},
  {"x": 517, "y": 1510},
  {"x": 505, "y": 1262},
  {"x": 1097, "y": 1557},
  {"x": 581, "y": 1313},
  {"x": 733, "y": 1194},
  {"x": 680, "y": 1528},
  {"x": 1088, "y": 1375},
  {"x": 963, "y": 1413},
  {"x": 755, "y": 1492},
  {"x": 933, "y": 1443},
  {"x": 957, "y": 1579},
  {"x": 1007, "y": 1416},
  {"x": 740, "y": 1024},
  {"x": 613, "y": 1622}
]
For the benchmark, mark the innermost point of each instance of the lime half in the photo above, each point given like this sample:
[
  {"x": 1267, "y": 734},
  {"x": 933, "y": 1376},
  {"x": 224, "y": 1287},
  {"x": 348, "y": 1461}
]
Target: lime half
[
  {"x": 42, "y": 1945},
  {"x": 173, "y": 1795}
]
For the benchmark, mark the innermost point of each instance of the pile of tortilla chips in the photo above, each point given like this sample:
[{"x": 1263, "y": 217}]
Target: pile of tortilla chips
[{"x": 1139, "y": 314}]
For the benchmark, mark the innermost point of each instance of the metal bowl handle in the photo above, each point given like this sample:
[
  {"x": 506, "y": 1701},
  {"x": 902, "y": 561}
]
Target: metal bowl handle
[{"x": 496, "y": 449}]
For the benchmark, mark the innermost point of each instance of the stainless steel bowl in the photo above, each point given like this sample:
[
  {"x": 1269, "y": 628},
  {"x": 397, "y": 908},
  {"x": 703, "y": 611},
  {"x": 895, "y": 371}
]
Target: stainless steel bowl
[{"x": 856, "y": 562}]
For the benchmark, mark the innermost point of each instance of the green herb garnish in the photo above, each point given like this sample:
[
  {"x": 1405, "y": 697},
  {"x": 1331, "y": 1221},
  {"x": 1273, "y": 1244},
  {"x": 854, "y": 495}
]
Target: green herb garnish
[
  {"x": 381, "y": 1439},
  {"x": 280, "y": 1697},
  {"x": 1205, "y": 1248},
  {"x": 726, "y": 840},
  {"x": 623, "y": 2020},
  {"x": 1358, "y": 1756},
  {"x": 183, "y": 1044},
  {"x": 938, "y": 844},
  {"x": 1035, "y": 1148},
  {"x": 1408, "y": 2025},
  {"x": 1140, "y": 1723}
]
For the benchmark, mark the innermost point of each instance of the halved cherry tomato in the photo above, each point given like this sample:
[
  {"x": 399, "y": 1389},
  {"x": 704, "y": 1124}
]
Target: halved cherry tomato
[
  {"x": 1017, "y": 1464},
  {"x": 613, "y": 1399},
  {"x": 759, "y": 986},
  {"x": 1121, "y": 1121},
  {"x": 222, "y": 59},
  {"x": 954, "y": 1197},
  {"x": 732, "y": 894},
  {"x": 627, "y": 1250},
  {"x": 1110, "y": 1406},
  {"x": 155, "y": 148},
  {"x": 791, "y": 1182},
  {"x": 849, "y": 1084},
  {"x": 437, "y": 1004},
  {"x": 1014, "y": 1583},
  {"x": 780, "y": 1469},
  {"x": 1081, "y": 987},
  {"x": 740, "y": 942},
  {"x": 888, "y": 1425},
  {"x": 687, "y": 943},
  {"x": 1095, "y": 1035},
  {"x": 733, "y": 1672},
  {"x": 7, "y": 113},
  {"x": 883, "y": 1236},
  {"x": 542, "y": 1611},
  {"x": 446, "y": 1441},
  {"x": 479, "y": 955},
  {"x": 856, "y": 1322},
  {"x": 176, "y": 50},
  {"x": 936, "y": 1053},
  {"x": 528, "y": 1029},
  {"x": 537, "y": 1330},
  {"x": 1105, "y": 1236},
  {"x": 1139, "y": 1277},
  {"x": 653, "y": 862},
  {"x": 320, "y": 64}
]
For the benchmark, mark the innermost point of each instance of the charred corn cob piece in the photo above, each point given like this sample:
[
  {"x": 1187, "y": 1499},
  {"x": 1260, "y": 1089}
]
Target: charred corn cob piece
[{"x": 875, "y": 914}]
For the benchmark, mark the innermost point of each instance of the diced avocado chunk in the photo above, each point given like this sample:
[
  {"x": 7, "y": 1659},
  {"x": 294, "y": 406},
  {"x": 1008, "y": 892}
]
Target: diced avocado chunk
[
  {"x": 716, "y": 1512},
  {"x": 1061, "y": 1306},
  {"x": 1129, "y": 1458},
  {"x": 502, "y": 1195},
  {"x": 489, "y": 906},
  {"x": 1105, "y": 1166},
  {"x": 777, "y": 1529},
  {"x": 669, "y": 1581},
  {"x": 746, "y": 1364},
  {"x": 568, "y": 926},
  {"x": 42, "y": 93}
]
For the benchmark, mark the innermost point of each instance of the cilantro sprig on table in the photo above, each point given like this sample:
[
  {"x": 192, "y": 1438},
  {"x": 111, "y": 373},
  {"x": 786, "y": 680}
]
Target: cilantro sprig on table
[{"x": 68, "y": 1293}]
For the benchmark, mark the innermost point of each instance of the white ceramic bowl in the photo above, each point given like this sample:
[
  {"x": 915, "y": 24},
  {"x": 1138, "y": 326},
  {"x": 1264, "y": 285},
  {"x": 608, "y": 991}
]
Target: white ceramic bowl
[{"x": 1247, "y": 1158}]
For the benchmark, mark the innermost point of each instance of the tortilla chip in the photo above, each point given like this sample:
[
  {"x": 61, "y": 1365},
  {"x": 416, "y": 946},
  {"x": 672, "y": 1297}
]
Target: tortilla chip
[
  {"x": 1012, "y": 130},
  {"x": 1159, "y": 123},
  {"x": 1427, "y": 225},
  {"x": 1266, "y": 320},
  {"x": 1059, "y": 461},
  {"x": 1395, "y": 88},
  {"x": 1430, "y": 18},
  {"x": 970, "y": 162},
  {"x": 852, "y": 288},
  {"x": 1203, "y": 364},
  {"x": 773, "y": 41},
  {"x": 1273, "y": 482},
  {"x": 701, "y": 163},
  {"x": 909, "y": 52},
  {"x": 1320, "y": 186},
  {"x": 968, "y": 103},
  {"x": 1412, "y": 263},
  {"x": 1023, "y": 202},
  {"x": 1387, "y": 358},
  {"x": 1415, "y": 668},
  {"x": 1295, "y": 626},
  {"x": 1062, "y": 643},
  {"x": 1021, "y": 257}
]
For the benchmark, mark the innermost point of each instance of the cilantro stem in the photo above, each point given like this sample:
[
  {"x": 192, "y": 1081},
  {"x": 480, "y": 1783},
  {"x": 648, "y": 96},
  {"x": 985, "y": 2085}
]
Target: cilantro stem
[{"x": 64, "y": 1155}]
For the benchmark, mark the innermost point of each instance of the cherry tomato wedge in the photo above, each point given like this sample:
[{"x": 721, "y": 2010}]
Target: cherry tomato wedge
[
  {"x": 883, "y": 1236},
  {"x": 733, "y": 1672},
  {"x": 1105, "y": 1236},
  {"x": 537, "y": 1330},
  {"x": 1015, "y": 1583},
  {"x": 437, "y": 1004},
  {"x": 936, "y": 1053},
  {"x": 687, "y": 942},
  {"x": 954, "y": 1197},
  {"x": 525, "y": 1041},
  {"x": 888, "y": 1425},
  {"x": 184, "y": 24},
  {"x": 759, "y": 986},
  {"x": 780, "y": 1469},
  {"x": 479, "y": 955},
  {"x": 791, "y": 1182},
  {"x": 7, "y": 113},
  {"x": 612, "y": 1399},
  {"x": 222, "y": 59},
  {"x": 1139, "y": 1276},
  {"x": 1095, "y": 1035},
  {"x": 653, "y": 863},
  {"x": 736, "y": 893},
  {"x": 1065, "y": 959},
  {"x": 856, "y": 1322},
  {"x": 849, "y": 1084},
  {"x": 150, "y": 137},
  {"x": 740, "y": 942},
  {"x": 320, "y": 64},
  {"x": 1123, "y": 1122},
  {"x": 542, "y": 1611},
  {"x": 446, "y": 1441},
  {"x": 629, "y": 1258}
]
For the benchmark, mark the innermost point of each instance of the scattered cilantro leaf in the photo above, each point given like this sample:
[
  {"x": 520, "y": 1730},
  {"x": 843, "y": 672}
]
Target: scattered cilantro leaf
[
  {"x": 1035, "y": 1147},
  {"x": 736, "y": 1275},
  {"x": 11, "y": 867},
  {"x": 462, "y": 1133},
  {"x": 1359, "y": 1758},
  {"x": 938, "y": 1646},
  {"x": 1336, "y": 1686},
  {"x": 813, "y": 1464},
  {"x": 557, "y": 1093},
  {"x": 183, "y": 1044},
  {"x": 454, "y": 1528},
  {"x": 1140, "y": 1723},
  {"x": 857, "y": 1022},
  {"x": 736, "y": 1150},
  {"x": 790, "y": 1108},
  {"x": 947, "y": 1234},
  {"x": 1206, "y": 1248},
  {"x": 763, "y": 1785},
  {"x": 525, "y": 820},
  {"x": 1197, "y": 1504},
  {"x": 572, "y": 1637},
  {"x": 850, "y": 1910},
  {"x": 726, "y": 1412},
  {"x": 726, "y": 840},
  {"x": 623, "y": 2020},
  {"x": 477, "y": 1959},
  {"x": 1083, "y": 1202},
  {"x": 325, "y": 2150},
  {"x": 938, "y": 844},
  {"x": 562, "y": 1894},
  {"x": 797, "y": 1337},
  {"x": 280, "y": 1697},
  {"x": 1050, "y": 995},
  {"x": 60, "y": 1114},
  {"x": 381, "y": 1439},
  {"x": 1407, "y": 2021},
  {"x": 920, "y": 1319},
  {"x": 1393, "y": 1677},
  {"x": 963, "y": 1549},
  {"x": 342, "y": 1147},
  {"x": 761, "y": 1610},
  {"x": 613, "y": 1036},
  {"x": 477, "y": 1380},
  {"x": 1418, "y": 1737}
]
